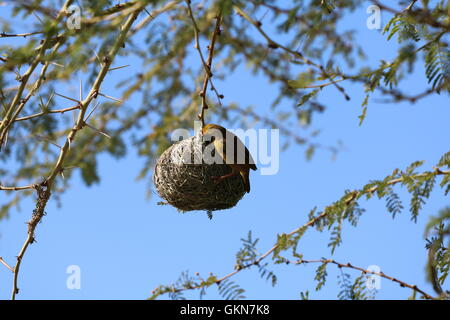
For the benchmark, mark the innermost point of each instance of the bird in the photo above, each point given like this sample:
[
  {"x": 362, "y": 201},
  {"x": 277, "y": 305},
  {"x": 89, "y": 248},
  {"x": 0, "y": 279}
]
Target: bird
[{"x": 239, "y": 159}]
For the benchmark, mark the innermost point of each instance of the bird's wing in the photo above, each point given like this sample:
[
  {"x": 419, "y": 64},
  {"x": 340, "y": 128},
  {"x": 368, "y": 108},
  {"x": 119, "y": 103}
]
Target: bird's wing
[
  {"x": 219, "y": 146},
  {"x": 233, "y": 151}
]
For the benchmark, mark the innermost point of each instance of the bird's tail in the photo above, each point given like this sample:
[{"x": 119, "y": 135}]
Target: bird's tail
[{"x": 245, "y": 177}]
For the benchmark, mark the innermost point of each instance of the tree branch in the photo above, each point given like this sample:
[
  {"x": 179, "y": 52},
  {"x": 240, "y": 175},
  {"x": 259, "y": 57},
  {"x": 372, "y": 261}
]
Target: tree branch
[
  {"x": 44, "y": 189},
  {"x": 365, "y": 271},
  {"x": 3, "y": 262},
  {"x": 11, "y": 112},
  {"x": 274, "y": 45},
  {"x": 209, "y": 74},
  {"x": 3, "y": 188}
]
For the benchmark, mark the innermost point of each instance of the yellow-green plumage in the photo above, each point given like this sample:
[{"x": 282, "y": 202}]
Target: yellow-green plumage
[{"x": 239, "y": 158}]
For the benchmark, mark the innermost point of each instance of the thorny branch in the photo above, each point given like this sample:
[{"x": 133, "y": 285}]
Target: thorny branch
[
  {"x": 44, "y": 189},
  {"x": 43, "y": 192},
  {"x": 3, "y": 262},
  {"x": 12, "y": 112}
]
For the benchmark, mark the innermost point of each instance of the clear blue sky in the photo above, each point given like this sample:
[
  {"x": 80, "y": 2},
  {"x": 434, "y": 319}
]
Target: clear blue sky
[{"x": 126, "y": 245}]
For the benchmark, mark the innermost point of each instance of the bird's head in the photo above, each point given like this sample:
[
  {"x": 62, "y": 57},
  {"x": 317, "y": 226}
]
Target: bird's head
[{"x": 212, "y": 132}]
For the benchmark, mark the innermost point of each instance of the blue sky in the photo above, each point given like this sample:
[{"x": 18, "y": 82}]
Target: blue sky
[{"x": 126, "y": 245}]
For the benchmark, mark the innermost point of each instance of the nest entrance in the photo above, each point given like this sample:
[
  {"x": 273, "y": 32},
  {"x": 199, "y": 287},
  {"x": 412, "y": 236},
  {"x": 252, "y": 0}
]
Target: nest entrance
[{"x": 184, "y": 180}]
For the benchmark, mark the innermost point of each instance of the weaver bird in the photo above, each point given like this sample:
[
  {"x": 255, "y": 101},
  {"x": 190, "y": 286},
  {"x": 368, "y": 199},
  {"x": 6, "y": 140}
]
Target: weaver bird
[{"x": 231, "y": 150}]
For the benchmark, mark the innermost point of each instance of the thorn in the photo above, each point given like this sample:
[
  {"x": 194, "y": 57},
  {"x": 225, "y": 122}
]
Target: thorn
[
  {"x": 145, "y": 9},
  {"x": 6, "y": 138},
  {"x": 81, "y": 90},
  {"x": 101, "y": 132},
  {"x": 92, "y": 111},
  {"x": 116, "y": 68},
  {"x": 37, "y": 17},
  {"x": 109, "y": 97},
  {"x": 98, "y": 58},
  {"x": 41, "y": 103},
  {"x": 77, "y": 101},
  {"x": 57, "y": 64},
  {"x": 48, "y": 140},
  {"x": 49, "y": 100}
]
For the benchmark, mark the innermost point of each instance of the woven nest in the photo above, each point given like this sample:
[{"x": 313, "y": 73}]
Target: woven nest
[{"x": 184, "y": 180}]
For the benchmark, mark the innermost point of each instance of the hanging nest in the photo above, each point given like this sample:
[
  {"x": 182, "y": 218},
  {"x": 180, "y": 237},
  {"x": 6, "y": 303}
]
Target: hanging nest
[{"x": 184, "y": 180}]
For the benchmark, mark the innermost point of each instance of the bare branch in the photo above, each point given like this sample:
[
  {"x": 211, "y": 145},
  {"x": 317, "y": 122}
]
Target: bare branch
[
  {"x": 3, "y": 188},
  {"x": 3, "y": 262}
]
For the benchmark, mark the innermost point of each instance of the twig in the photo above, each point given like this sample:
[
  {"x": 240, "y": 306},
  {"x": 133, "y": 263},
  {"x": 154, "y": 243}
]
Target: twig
[
  {"x": 209, "y": 74},
  {"x": 421, "y": 16},
  {"x": 206, "y": 64},
  {"x": 32, "y": 7},
  {"x": 47, "y": 112},
  {"x": 3, "y": 188},
  {"x": 3, "y": 262},
  {"x": 197, "y": 37},
  {"x": 274, "y": 45},
  {"x": 169, "y": 6},
  {"x": 365, "y": 271},
  {"x": 10, "y": 35},
  {"x": 364, "y": 76}
]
